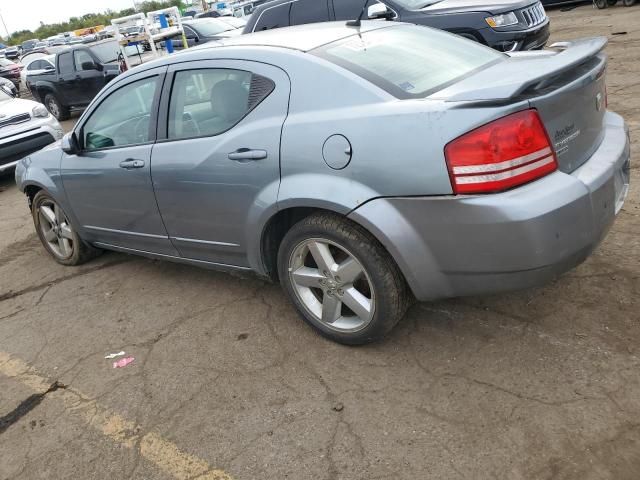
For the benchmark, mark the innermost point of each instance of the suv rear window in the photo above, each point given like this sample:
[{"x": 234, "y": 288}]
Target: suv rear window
[{"x": 409, "y": 61}]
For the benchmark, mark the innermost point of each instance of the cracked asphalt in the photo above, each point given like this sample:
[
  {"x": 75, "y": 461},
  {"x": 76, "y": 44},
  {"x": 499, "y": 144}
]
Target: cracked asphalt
[{"x": 228, "y": 383}]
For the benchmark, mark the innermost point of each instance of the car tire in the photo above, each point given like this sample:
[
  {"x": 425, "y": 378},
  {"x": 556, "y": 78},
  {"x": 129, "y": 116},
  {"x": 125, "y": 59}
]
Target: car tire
[
  {"x": 56, "y": 233},
  {"x": 628, "y": 3},
  {"x": 601, "y": 4},
  {"x": 358, "y": 308},
  {"x": 55, "y": 107}
]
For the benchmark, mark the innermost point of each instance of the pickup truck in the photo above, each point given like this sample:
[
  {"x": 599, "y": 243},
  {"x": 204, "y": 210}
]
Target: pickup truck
[{"x": 79, "y": 74}]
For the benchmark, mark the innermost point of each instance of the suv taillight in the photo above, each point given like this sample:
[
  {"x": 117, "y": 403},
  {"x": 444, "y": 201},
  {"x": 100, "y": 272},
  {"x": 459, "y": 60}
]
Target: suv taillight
[{"x": 503, "y": 154}]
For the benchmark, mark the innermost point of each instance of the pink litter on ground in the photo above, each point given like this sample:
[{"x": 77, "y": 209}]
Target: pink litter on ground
[{"x": 123, "y": 362}]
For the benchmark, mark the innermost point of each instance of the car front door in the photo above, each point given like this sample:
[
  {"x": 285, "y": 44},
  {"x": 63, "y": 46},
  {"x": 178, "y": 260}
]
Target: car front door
[
  {"x": 108, "y": 182},
  {"x": 219, "y": 160},
  {"x": 89, "y": 78}
]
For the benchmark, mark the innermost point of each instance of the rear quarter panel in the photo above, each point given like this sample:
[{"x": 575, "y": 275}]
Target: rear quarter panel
[{"x": 397, "y": 145}]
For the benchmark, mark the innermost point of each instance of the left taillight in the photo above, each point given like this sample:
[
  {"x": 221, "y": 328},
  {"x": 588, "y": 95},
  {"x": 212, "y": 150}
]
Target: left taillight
[{"x": 500, "y": 155}]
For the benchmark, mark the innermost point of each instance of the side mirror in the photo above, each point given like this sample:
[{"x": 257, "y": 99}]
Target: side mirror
[
  {"x": 8, "y": 90},
  {"x": 69, "y": 144},
  {"x": 89, "y": 66},
  {"x": 378, "y": 10}
]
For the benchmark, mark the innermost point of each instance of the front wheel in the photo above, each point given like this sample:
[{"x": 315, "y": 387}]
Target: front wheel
[
  {"x": 601, "y": 4},
  {"x": 55, "y": 107},
  {"x": 628, "y": 3},
  {"x": 341, "y": 280},
  {"x": 57, "y": 235}
]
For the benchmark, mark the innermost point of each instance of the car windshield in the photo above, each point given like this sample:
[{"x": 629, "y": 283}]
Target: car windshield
[
  {"x": 209, "y": 27},
  {"x": 409, "y": 61},
  {"x": 416, "y": 4},
  {"x": 234, "y": 22},
  {"x": 106, "y": 51}
]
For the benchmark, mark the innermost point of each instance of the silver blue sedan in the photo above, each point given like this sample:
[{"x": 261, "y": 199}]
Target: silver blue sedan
[{"x": 361, "y": 167}]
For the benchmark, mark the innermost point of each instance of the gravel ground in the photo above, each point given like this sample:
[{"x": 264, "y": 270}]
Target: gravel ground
[{"x": 228, "y": 383}]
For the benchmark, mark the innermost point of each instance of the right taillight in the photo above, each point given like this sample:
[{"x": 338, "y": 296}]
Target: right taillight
[{"x": 503, "y": 154}]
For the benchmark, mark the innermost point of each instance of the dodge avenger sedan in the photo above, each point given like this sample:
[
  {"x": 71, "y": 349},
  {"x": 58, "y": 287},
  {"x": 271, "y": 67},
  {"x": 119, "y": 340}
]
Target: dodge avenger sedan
[{"x": 360, "y": 167}]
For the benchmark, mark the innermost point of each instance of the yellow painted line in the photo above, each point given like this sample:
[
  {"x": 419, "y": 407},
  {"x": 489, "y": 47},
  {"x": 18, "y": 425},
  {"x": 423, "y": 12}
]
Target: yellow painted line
[{"x": 155, "y": 449}]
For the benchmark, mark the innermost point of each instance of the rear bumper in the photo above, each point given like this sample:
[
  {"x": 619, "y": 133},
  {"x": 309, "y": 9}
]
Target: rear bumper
[
  {"x": 467, "y": 245},
  {"x": 512, "y": 41}
]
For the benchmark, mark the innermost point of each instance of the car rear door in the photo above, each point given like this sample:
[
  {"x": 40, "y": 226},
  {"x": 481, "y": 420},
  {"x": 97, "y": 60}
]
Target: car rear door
[
  {"x": 108, "y": 183},
  {"x": 66, "y": 79},
  {"x": 217, "y": 159}
]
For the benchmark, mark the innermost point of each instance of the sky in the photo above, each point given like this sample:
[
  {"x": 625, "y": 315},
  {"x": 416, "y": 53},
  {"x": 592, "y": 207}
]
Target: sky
[{"x": 27, "y": 14}]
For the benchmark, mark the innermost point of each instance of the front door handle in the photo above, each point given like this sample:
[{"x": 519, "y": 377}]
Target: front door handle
[
  {"x": 130, "y": 163},
  {"x": 247, "y": 154}
]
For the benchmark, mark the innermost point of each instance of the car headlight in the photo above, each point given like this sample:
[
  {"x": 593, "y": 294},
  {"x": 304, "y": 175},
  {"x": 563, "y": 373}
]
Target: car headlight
[
  {"x": 40, "y": 111},
  {"x": 503, "y": 20}
]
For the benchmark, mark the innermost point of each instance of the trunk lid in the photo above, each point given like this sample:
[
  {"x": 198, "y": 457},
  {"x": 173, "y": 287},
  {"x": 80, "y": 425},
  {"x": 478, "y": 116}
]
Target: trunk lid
[{"x": 566, "y": 86}]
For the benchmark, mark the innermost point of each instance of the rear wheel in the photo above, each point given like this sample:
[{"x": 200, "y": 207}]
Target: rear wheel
[
  {"x": 628, "y": 3},
  {"x": 341, "y": 280},
  {"x": 601, "y": 4},
  {"x": 55, "y": 107},
  {"x": 57, "y": 235}
]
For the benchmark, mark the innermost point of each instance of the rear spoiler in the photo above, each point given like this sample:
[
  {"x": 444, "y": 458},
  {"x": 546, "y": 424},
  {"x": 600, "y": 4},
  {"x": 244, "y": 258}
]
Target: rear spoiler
[{"x": 505, "y": 80}]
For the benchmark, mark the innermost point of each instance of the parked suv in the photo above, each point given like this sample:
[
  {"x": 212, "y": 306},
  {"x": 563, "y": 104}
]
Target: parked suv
[{"x": 501, "y": 24}]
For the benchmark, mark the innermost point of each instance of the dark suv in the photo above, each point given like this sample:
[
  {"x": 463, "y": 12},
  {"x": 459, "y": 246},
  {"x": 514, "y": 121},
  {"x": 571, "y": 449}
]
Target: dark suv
[{"x": 501, "y": 24}]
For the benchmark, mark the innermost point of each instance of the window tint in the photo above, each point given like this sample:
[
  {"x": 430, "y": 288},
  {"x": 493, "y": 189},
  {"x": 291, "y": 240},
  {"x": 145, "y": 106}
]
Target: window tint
[
  {"x": 123, "y": 118},
  {"x": 65, "y": 62},
  {"x": 188, "y": 32},
  {"x": 211, "y": 101},
  {"x": 409, "y": 61},
  {"x": 350, "y": 9},
  {"x": 37, "y": 65},
  {"x": 80, "y": 57},
  {"x": 273, "y": 17},
  {"x": 309, "y": 11}
]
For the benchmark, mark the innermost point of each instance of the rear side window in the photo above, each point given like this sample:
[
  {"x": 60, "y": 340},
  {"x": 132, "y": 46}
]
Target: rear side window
[
  {"x": 65, "y": 62},
  {"x": 273, "y": 17},
  {"x": 208, "y": 102},
  {"x": 37, "y": 65},
  {"x": 309, "y": 11},
  {"x": 409, "y": 61},
  {"x": 350, "y": 9}
]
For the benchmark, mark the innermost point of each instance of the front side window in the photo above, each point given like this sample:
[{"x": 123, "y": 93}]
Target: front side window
[
  {"x": 210, "y": 101},
  {"x": 409, "y": 61},
  {"x": 123, "y": 118},
  {"x": 80, "y": 57}
]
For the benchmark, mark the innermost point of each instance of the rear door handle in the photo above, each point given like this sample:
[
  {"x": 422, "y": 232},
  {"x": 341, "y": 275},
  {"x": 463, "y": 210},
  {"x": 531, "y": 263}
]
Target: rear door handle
[
  {"x": 130, "y": 163},
  {"x": 248, "y": 154}
]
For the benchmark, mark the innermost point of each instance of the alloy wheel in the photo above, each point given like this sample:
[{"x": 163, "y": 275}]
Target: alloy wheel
[
  {"x": 332, "y": 285},
  {"x": 53, "y": 108},
  {"x": 56, "y": 230}
]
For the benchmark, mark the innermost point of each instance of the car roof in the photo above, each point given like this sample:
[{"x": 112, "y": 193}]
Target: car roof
[{"x": 306, "y": 37}]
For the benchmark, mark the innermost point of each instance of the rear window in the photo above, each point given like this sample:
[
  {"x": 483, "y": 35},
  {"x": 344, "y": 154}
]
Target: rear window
[{"x": 409, "y": 61}]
